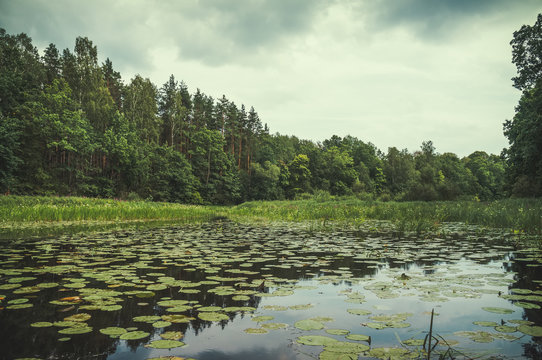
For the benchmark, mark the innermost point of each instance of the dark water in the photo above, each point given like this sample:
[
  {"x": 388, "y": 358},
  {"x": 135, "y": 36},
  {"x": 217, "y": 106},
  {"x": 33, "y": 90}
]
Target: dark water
[{"x": 281, "y": 271}]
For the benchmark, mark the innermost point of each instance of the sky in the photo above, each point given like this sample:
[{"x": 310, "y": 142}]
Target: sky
[{"x": 389, "y": 72}]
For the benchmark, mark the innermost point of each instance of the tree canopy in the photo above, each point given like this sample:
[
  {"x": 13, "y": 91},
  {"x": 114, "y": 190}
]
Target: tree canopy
[{"x": 72, "y": 126}]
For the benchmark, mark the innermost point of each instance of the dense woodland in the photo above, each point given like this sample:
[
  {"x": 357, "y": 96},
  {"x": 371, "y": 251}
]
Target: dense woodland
[{"x": 72, "y": 126}]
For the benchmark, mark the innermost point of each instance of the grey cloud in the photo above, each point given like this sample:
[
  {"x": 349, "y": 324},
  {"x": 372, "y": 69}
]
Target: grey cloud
[
  {"x": 434, "y": 19},
  {"x": 218, "y": 32}
]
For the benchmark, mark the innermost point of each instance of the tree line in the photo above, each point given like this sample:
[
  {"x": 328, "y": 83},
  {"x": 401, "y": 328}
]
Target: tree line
[{"x": 72, "y": 126}]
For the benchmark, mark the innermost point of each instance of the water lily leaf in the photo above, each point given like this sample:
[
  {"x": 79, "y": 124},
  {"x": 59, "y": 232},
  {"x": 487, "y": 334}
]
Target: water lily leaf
[
  {"x": 526, "y": 305},
  {"x": 213, "y": 316},
  {"x": 358, "y": 311},
  {"x": 156, "y": 287},
  {"x": 358, "y": 337},
  {"x": 148, "y": 318},
  {"x": 19, "y": 306},
  {"x": 72, "y": 330},
  {"x": 134, "y": 335},
  {"x": 64, "y": 339},
  {"x": 165, "y": 344},
  {"x": 531, "y": 330},
  {"x": 113, "y": 331},
  {"x": 78, "y": 317},
  {"x": 377, "y": 326},
  {"x": 414, "y": 342},
  {"x": 18, "y": 301},
  {"x": 41, "y": 324},
  {"x": 161, "y": 324},
  {"x": 315, "y": 340},
  {"x": 498, "y": 310},
  {"x": 301, "y": 307},
  {"x": 337, "y": 331},
  {"x": 177, "y": 318},
  {"x": 485, "y": 323},
  {"x": 172, "y": 335},
  {"x": 275, "y": 307},
  {"x": 506, "y": 328},
  {"x": 331, "y": 355},
  {"x": 255, "y": 331},
  {"x": 177, "y": 309},
  {"x": 309, "y": 324},
  {"x": 274, "y": 326},
  {"x": 392, "y": 353},
  {"x": 262, "y": 318},
  {"x": 47, "y": 285},
  {"x": 346, "y": 347}
]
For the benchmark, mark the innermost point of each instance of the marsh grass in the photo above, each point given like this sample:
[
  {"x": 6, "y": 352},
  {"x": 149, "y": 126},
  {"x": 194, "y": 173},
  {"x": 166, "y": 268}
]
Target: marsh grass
[
  {"x": 518, "y": 215},
  {"x": 29, "y": 208}
]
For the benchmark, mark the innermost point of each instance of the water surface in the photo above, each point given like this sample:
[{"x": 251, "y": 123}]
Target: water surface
[{"x": 229, "y": 280}]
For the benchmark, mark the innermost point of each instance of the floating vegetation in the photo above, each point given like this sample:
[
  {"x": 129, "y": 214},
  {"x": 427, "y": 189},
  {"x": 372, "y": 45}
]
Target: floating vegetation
[
  {"x": 135, "y": 285},
  {"x": 213, "y": 316},
  {"x": 498, "y": 310},
  {"x": 262, "y": 318},
  {"x": 113, "y": 331},
  {"x": 256, "y": 331},
  {"x": 337, "y": 331},
  {"x": 41, "y": 324},
  {"x": 530, "y": 330},
  {"x": 309, "y": 324},
  {"x": 165, "y": 344}
]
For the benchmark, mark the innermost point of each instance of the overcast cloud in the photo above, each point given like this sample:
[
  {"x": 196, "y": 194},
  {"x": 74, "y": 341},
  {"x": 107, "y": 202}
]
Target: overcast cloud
[{"x": 394, "y": 73}]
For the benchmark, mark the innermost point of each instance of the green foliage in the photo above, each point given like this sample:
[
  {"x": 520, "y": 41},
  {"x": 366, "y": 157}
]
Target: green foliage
[
  {"x": 9, "y": 162},
  {"x": 69, "y": 126},
  {"x": 524, "y": 155}
]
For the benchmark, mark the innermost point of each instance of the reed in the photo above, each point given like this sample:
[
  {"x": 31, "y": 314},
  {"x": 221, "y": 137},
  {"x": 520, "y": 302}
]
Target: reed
[{"x": 519, "y": 215}]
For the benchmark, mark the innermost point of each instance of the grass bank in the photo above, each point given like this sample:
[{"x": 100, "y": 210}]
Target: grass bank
[
  {"x": 19, "y": 214},
  {"x": 520, "y": 215}
]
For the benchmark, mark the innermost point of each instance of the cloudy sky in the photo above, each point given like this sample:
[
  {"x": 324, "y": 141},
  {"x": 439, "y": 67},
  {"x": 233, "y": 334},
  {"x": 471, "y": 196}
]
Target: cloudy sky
[{"x": 390, "y": 72}]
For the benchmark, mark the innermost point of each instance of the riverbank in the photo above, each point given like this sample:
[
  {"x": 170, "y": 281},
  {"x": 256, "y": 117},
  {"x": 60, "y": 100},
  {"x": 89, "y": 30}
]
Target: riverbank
[{"x": 517, "y": 215}]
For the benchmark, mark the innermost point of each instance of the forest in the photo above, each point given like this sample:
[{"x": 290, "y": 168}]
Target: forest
[{"x": 70, "y": 126}]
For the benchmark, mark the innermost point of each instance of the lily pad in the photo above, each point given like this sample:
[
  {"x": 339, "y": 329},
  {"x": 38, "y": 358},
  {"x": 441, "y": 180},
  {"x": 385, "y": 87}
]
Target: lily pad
[
  {"x": 161, "y": 324},
  {"x": 172, "y": 335},
  {"x": 41, "y": 324},
  {"x": 255, "y": 331},
  {"x": 346, "y": 347},
  {"x": 531, "y": 330},
  {"x": 113, "y": 331},
  {"x": 262, "y": 318},
  {"x": 274, "y": 326},
  {"x": 72, "y": 330},
  {"x": 165, "y": 344},
  {"x": 78, "y": 317},
  {"x": 498, "y": 310},
  {"x": 148, "y": 319},
  {"x": 309, "y": 324},
  {"x": 331, "y": 355},
  {"x": 359, "y": 311},
  {"x": 213, "y": 316},
  {"x": 337, "y": 331},
  {"x": 485, "y": 323},
  {"x": 134, "y": 335},
  {"x": 506, "y": 328},
  {"x": 315, "y": 340},
  {"x": 358, "y": 337}
]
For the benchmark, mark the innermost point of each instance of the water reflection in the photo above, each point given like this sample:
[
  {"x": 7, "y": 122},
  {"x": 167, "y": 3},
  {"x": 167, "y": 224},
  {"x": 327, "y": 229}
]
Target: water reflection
[{"x": 238, "y": 266}]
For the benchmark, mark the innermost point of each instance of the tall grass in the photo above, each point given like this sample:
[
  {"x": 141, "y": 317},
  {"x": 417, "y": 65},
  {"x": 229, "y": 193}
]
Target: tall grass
[
  {"x": 520, "y": 215},
  {"x": 39, "y": 208}
]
